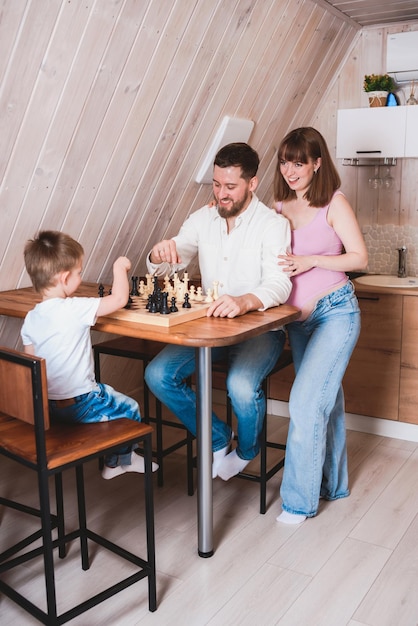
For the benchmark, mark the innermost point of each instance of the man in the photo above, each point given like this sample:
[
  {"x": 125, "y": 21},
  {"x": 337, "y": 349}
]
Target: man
[{"x": 237, "y": 242}]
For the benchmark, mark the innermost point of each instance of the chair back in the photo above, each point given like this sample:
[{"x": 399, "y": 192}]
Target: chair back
[{"x": 23, "y": 387}]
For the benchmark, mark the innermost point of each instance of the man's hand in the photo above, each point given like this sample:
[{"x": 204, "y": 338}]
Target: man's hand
[
  {"x": 233, "y": 306},
  {"x": 165, "y": 252}
]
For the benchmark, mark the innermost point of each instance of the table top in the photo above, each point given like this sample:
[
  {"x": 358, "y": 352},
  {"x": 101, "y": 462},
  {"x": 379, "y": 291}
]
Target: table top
[{"x": 202, "y": 332}]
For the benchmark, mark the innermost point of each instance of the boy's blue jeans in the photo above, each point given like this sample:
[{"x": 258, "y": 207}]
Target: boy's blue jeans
[
  {"x": 249, "y": 363},
  {"x": 100, "y": 405},
  {"x": 316, "y": 455}
]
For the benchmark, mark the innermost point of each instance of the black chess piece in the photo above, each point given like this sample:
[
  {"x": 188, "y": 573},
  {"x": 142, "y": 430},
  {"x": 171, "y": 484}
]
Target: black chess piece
[
  {"x": 173, "y": 307},
  {"x": 129, "y": 303},
  {"x": 186, "y": 303},
  {"x": 164, "y": 309},
  {"x": 134, "y": 290},
  {"x": 101, "y": 290},
  {"x": 153, "y": 308}
]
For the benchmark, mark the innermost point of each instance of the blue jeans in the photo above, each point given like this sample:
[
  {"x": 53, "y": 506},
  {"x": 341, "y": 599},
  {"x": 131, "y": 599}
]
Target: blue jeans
[
  {"x": 316, "y": 455},
  {"x": 103, "y": 404},
  {"x": 249, "y": 363}
]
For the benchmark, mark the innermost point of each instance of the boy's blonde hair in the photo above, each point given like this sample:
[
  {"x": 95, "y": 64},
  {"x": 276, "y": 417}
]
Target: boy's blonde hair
[{"x": 48, "y": 254}]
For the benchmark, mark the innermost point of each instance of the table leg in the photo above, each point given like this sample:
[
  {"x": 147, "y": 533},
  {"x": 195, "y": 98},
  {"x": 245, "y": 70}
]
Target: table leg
[{"x": 204, "y": 451}]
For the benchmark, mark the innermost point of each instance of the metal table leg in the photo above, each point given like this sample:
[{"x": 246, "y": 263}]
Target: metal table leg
[{"x": 204, "y": 451}]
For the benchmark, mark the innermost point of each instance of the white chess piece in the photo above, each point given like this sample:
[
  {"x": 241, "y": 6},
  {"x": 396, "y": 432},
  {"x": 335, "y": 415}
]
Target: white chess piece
[
  {"x": 149, "y": 283},
  {"x": 209, "y": 296},
  {"x": 199, "y": 294},
  {"x": 192, "y": 293},
  {"x": 215, "y": 294}
]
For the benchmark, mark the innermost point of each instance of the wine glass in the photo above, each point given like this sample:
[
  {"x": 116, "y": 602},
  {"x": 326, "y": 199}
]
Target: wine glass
[
  {"x": 375, "y": 182},
  {"x": 387, "y": 180}
]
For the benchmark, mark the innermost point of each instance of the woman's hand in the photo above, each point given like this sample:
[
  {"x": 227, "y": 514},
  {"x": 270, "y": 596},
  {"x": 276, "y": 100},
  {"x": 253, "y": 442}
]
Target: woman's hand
[{"x": 294, "y": 265}]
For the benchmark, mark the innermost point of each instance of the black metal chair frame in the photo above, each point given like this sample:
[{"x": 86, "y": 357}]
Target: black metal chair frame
[
  {"x": 143, "y": 350},
  {"x": 264, "y": 475},
  {"x": 49, "y": 521}
]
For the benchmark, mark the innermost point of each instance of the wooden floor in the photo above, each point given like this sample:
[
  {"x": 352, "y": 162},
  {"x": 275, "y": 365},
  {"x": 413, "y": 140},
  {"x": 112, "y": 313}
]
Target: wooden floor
[{"x": 354, "y": 564}]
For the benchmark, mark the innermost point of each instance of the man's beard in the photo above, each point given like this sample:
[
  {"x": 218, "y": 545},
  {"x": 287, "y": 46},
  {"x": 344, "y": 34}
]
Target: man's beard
[{"x": 236, "y": 208}]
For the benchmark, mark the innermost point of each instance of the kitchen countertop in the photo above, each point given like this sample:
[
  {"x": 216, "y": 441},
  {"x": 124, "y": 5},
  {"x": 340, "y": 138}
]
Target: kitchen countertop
[{"x": 398, "y": 291}]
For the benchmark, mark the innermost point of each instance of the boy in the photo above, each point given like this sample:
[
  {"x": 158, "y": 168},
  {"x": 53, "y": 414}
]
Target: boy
[{"x": 58, "y": 330}]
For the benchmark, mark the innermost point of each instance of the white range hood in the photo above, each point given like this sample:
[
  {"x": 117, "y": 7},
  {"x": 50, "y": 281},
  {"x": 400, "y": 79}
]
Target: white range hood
[{"x": 402, "y": 56}]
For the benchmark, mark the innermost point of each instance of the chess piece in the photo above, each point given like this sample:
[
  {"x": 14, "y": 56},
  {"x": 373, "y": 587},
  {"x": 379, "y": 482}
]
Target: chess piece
[
  {"x": 164, "y": 309},
  {"x": 101, "y": 290},
  {"x": 134, "y": 290},
  {"x": 192, "y": 293},
  {"x": 186, "y": 303},
  {"x": 209, "y": 296},
  {"x": 199, "y": 294},
  {"x": 173, "y": 307},
  {"x": 215, "y": 294}
]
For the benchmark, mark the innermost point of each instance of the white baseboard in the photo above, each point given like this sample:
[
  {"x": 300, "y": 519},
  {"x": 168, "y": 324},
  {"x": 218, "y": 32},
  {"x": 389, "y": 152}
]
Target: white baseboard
[{"x": 361, "y": 423}]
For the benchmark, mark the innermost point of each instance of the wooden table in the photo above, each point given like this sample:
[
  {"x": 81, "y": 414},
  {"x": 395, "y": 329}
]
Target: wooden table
[{"x": 203, "y": 334}]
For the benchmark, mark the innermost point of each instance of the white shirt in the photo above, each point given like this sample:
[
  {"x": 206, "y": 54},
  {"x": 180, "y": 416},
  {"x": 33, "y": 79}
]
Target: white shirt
[
  {"x": 242, "y": 261},
  {"x": 59, "y": 330}
]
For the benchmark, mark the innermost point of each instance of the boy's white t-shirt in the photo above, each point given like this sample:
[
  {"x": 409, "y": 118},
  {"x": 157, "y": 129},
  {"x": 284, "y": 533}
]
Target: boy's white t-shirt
[{"x": 59, "y": 330}]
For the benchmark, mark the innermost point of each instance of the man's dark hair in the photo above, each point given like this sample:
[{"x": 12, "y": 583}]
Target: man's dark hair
[{"x": 239, "y": 155}]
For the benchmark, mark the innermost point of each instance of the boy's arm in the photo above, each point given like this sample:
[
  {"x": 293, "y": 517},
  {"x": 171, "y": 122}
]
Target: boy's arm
[{"x": 120, "y": 288}]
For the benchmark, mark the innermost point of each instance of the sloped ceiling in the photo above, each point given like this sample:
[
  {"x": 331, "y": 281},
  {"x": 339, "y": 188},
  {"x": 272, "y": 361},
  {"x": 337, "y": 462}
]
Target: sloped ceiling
[{"x": 374, "y": 12}]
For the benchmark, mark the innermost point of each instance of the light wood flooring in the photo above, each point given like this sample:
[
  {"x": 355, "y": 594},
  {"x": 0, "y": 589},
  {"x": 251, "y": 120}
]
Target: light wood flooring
[{"x": 354, "y": 564}]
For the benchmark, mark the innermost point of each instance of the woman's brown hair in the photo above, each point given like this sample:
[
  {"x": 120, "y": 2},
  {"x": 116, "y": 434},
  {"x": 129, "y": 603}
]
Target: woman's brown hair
[{"x": 299, "y": 146}]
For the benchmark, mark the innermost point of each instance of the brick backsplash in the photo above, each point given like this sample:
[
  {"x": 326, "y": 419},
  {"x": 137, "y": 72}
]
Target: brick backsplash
[{"x": 382, "y": 243}]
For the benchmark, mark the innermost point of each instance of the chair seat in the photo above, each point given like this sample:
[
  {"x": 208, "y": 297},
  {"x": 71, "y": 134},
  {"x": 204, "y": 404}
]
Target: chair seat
[{"x": 68, "y": 443}]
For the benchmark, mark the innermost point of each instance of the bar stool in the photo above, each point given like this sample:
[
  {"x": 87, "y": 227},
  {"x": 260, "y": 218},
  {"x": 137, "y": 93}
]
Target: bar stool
[
  {"x": 144, "y": 350},
  {"x": 264, "y": 474}
]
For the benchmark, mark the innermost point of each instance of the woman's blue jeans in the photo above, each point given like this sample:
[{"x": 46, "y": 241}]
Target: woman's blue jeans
[
  {"x": 316, "y": 455},
  {"x": 249, "y": 363}
]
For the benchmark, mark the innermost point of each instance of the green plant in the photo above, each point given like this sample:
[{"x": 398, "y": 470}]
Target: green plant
[{"x": 379, "y": 82}]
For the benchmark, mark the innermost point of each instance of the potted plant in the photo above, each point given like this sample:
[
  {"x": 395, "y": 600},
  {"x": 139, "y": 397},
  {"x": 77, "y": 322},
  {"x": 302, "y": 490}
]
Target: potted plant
[{"x": 377, "y": 86}]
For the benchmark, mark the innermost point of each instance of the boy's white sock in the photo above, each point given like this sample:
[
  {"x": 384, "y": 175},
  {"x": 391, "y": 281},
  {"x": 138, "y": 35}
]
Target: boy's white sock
[
  {"x": 290, "y": 518},
  {"x": 231, "y": 465},
  {"x": 138, "y": 464}
]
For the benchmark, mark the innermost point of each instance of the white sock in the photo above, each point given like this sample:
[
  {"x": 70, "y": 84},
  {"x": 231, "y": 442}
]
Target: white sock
[
  {"x": 218, "y": 457},
  {"x": 231, "y": 465},
  {"x": 138, "y": 464},
  {"x": 290, "y": 518}
]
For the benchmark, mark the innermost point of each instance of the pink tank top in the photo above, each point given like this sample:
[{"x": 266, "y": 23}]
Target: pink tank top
[{"x": 317, "y": 237}]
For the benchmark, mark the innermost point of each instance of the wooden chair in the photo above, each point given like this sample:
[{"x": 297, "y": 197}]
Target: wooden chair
[
  {"x": 27, "y": 437},
  {"x": 265, "y": 473},
  {"x": 144, "y": 350}
]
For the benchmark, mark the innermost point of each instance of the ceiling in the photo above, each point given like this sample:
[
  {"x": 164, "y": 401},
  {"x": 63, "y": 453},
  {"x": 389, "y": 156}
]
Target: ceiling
[{"x": 371, "y": 12}]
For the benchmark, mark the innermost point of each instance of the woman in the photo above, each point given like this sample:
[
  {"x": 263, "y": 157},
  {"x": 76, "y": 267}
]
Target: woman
[{"x": 326, "y": 243}]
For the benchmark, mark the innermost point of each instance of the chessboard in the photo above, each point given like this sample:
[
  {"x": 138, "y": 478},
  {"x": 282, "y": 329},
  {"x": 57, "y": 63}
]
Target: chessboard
[
  {"x": 138, "y": 313},
  {"x": 168, "y": 304}
]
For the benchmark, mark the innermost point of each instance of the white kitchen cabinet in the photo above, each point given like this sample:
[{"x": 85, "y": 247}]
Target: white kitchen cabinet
[
  {"x": 411, "y": 140},
  {"x": 374, "y": 132}
]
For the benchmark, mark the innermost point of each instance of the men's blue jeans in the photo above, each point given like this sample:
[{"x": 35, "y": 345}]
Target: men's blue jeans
[
  {"x": 249, "y": 363},
  {"x": 316, "y": 455}
]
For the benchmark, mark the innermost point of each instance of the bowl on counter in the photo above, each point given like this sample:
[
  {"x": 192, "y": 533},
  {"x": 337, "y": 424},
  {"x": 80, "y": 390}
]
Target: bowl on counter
[{"x": 386, "y": 280}]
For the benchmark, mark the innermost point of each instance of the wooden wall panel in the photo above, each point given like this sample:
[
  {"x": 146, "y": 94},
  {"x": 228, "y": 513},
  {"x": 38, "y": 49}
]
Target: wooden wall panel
[{"x": 108, "y": 106}]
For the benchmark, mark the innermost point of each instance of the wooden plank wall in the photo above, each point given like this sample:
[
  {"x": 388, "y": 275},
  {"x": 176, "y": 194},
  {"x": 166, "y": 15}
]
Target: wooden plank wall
[{"x": 107, "y": 108}]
